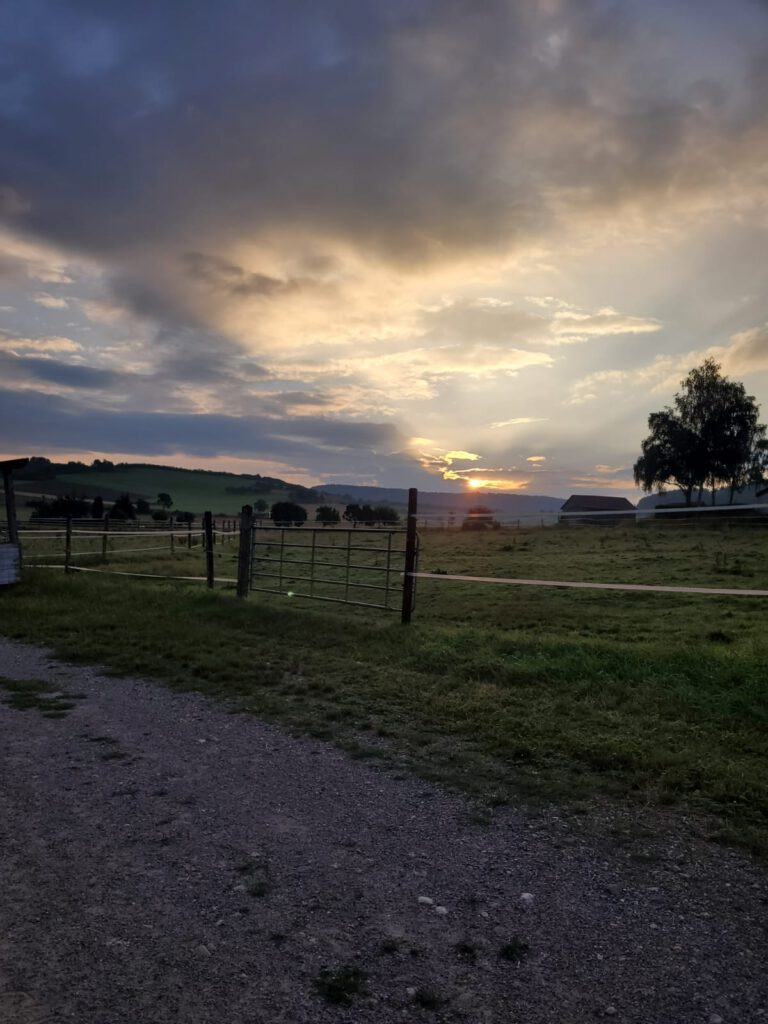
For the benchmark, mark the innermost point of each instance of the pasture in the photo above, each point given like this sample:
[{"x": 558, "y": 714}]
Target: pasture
[
  {"x": 659, "y": 699},
  {"x": 191, "y": 490}
]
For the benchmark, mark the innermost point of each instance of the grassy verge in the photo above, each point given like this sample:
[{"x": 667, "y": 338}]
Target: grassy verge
[{"x": 553, "y": 713}]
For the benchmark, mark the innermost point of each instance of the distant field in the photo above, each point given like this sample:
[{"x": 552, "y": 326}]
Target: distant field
[
  {"x": 500, "y": 690},
  {"x": 191, "y": 492}
]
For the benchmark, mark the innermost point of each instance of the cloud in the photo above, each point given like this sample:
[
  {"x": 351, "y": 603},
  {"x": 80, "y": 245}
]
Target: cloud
[
  {"x": 30, "y": 416},
  {"x": 494, "y": 321},
  {"x": 50, "y": 301},
  {"x": 233, "y": 280},
  {"x": 517, "y": 421},
  {"x": 30, "y": 345},
  {"x": 29, "y": 370},
  {"x": 747, "y": 352},
  {"x": 536, "y": 458},
  {"x": 396, "y": 129},
  {"x": 381, "y": 211}
]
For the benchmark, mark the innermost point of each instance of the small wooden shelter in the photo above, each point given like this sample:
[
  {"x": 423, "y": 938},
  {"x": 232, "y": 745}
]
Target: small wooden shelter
[{"x": 10, "y": 545}]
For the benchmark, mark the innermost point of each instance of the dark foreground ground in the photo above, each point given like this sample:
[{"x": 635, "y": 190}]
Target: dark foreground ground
[{"x": 162, "y": 860}]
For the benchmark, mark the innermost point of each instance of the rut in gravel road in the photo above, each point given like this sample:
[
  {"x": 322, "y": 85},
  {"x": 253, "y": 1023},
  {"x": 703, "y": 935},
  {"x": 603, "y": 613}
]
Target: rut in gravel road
[{"x": 164, "y": 860}]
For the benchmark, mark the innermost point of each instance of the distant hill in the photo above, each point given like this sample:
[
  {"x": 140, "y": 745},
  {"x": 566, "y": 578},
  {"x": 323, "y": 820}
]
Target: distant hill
[
  {"x": 192, "y": 490},
  {"x": 195, "y": 490},
  {"x": 722, "y": 497},
  {"x": 444, "y": 502}
]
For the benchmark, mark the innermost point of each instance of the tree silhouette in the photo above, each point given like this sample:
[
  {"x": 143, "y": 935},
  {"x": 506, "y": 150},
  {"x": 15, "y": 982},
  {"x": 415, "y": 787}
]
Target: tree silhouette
[
  {"x": 288, "y": 513},
  {"x": 712, "y": 437},
  {"x": 327, "y": 515}
]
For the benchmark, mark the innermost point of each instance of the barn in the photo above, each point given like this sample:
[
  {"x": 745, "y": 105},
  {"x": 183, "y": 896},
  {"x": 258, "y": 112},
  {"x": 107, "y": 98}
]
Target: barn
[{"x": 595, "y": 509}]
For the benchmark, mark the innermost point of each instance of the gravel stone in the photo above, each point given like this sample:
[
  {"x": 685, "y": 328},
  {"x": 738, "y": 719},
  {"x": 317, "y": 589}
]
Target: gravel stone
[{"x": 117, "y": 872}]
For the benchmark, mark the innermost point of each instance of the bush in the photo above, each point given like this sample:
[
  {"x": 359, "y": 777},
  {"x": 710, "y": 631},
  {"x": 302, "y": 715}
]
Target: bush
[
  {"x": 123, "y": 508},
  {"x": 287, "y": 513},
  {"x": 327, "y": 514},
  {"x": 60, "y": 507}
]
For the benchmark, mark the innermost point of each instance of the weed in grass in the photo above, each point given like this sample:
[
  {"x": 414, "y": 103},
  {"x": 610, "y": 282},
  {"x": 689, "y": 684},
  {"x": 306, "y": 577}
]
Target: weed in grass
[
  {"x": 255, "y": 874},
  {"x": 36, "y": 695},
  {"x": 113, "y": 755},
  {"x": 467, "y": 951},
  {"x": 339, "y": 987},
  {"x": 515, "y": 951},
  {"x": 718, "y": 636},
  {"x": 427, "y": 999}
]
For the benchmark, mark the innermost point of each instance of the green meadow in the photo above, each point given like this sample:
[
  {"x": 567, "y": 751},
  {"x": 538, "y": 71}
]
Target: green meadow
[
  {"x": 191, "y": 490},
  {"x": 506, "y": 692}
]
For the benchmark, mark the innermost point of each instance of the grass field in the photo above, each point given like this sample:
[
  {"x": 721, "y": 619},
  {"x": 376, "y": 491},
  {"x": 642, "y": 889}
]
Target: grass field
[
  {"x": 500, "y": 690},
  {"x": 191, "y": 491}
]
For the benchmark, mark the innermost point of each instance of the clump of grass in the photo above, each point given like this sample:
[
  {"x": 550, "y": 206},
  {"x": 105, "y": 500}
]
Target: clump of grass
[
  {"x": 427, "y": 999},
  {"x": 466, "y": 951},
  {"x": 113, "y": 755},
  {"x": 719, "y": 636},
  {"x": 515, "y": 951},
  {"x": 256, "y": 875},
  {"x": 339, "y": 987},
  {"x": 36, "y": 695}
]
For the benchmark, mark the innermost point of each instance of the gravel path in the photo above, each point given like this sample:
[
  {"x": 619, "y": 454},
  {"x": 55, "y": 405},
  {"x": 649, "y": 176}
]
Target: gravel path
[{"x": 163, "y": 860}]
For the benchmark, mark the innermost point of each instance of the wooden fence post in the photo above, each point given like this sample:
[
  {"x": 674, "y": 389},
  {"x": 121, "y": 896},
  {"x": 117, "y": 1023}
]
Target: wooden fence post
[
  {"x": 409, "y": 582},
  {"x": 104, "y": 538},
  {"x": 208, "y": 531},
  {"x": 68, "y": 545},
  {"x": 10, "y": 510},
  {"x": 244, "y": 554}
]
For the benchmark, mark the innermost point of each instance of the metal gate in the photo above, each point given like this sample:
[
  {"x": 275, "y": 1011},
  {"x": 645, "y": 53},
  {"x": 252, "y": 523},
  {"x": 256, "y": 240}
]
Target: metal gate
[
  {"x": 373, "y": 567},
  {"x": 363, "y": 567}
]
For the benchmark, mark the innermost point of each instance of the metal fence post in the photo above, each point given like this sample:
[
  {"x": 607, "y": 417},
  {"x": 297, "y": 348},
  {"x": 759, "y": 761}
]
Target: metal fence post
[
  {"x": 410, "y": 556},
  {"x": 244, "y": 554},
  {"x": 208, "y": 531}
]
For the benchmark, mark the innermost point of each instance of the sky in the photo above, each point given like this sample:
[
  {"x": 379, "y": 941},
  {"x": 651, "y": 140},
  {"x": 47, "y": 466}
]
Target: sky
[{"x": 433, "y": 243}]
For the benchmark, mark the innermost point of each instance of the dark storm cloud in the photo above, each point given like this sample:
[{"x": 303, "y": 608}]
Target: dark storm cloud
[
  {"x": 410, "y": 128},
  {"x": 232, "y": 279},
  {"x": 52, "y": 371},
  {"x": 30, "y": 420}
]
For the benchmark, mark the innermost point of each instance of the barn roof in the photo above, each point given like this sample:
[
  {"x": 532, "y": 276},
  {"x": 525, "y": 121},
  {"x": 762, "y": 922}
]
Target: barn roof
[
  {"x": 10, "y": 464},
  {"x": 596, "y": 503}
]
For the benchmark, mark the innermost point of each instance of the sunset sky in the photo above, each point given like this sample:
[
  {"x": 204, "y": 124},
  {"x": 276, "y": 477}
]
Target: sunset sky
[{"x": 370, "y": 241}]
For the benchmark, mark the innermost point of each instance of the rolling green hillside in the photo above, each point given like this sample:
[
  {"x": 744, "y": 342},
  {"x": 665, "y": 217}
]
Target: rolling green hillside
[{"x": 191, "y": 490}]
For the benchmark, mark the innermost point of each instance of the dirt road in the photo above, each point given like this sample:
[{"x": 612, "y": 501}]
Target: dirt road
[{"x": 162, "y": 860}]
